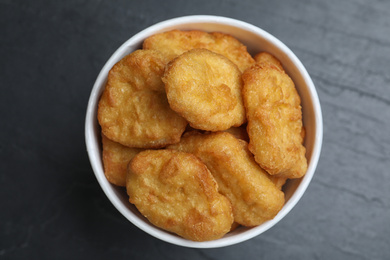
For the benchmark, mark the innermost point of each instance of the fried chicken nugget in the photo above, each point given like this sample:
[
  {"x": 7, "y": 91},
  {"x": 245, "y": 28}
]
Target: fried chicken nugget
[
  {"x": 176, "y": 192},
  {"x": 205, "y": 88},
  {"x": 265, "y": 57},
  {"x": 115, "y": 160},
  {"x": 174, "y": 43},
  {"x": 254, "y": 197},
  {"x": 133, "y": 109},
  {"x": 274, "y": 117},
  {"x": 278, "y": 181}
]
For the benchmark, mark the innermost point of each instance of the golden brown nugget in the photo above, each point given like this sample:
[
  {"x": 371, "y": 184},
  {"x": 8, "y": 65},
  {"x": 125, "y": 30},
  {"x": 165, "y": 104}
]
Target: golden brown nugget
[
  {"x": 254, "y": 197},
  {"x": 278, "y": 181},
  {"x": 174, "y": 43},
  {"x": 265, "y": 57},
  {"x": 133, "y": 109},
  {"x": 176, "y": 192},
  {"x": 116, "y": 157},
  {"x": 205, "y": 88},
  {"x": 274, "y": 118}
]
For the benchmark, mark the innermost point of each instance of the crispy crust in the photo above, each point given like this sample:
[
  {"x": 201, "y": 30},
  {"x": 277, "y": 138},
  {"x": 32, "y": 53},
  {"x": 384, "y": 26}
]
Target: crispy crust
[
  {"x": 265, "y": 57},
  {"x": 174, "y": 43},
  {"x": 205, "y": 88},
  {"x": 133, "y": 109},
  {"x": 274, "y": 120},
  {"x": 175, "y": 191},
  {"x": 254, "y": 197},
  {"x": 115, "y": 160}
]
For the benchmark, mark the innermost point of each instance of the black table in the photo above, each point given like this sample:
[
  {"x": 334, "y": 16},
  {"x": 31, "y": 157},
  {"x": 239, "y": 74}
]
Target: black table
[{"x": 51, "y": 204}]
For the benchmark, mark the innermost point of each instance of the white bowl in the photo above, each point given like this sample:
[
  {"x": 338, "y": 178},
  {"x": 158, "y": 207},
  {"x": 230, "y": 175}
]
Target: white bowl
[{"x": 256, "y": 40}]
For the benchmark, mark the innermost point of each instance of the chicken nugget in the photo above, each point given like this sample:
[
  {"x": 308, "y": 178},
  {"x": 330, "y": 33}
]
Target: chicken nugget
[
  {"x": 133, "y": 109},
  {"x": 254, "y": 197},
  {"x": 174, "y": 43},
  {"x": 274, "y": 117},
  {"x": 176, "y": 192},
  {"x": 278, "y": 181},
  {"x": 115, "y": 158},
  {"x": 205, "y": 88},
  {"x": 265, "y": 57}
]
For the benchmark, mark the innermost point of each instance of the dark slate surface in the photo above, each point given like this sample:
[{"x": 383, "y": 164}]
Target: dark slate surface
[{"x": 51, "y": 204}]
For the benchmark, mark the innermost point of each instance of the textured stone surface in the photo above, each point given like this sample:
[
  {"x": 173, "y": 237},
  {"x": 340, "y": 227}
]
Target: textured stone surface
[{"x": 51, "y": 204}]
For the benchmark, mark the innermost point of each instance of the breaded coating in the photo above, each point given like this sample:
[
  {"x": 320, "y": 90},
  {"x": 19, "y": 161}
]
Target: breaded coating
[
  {"x": 205, "y": 88},
  {"x": 176, "y": 192},
  {"x": 265, "y": 57},
  {"x": 115, "y": 158},
  {"x": 274, "y": 118},
  {"x": 133, "y": 109},
  {"x": 174, "y": 43},
  {"x": 278, "y": 181},
  {"x": 254, "y": 197}
]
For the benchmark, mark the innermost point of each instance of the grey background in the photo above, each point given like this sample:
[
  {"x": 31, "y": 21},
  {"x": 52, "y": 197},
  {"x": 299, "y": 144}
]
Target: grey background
[{"x": 51, "y": 53}]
